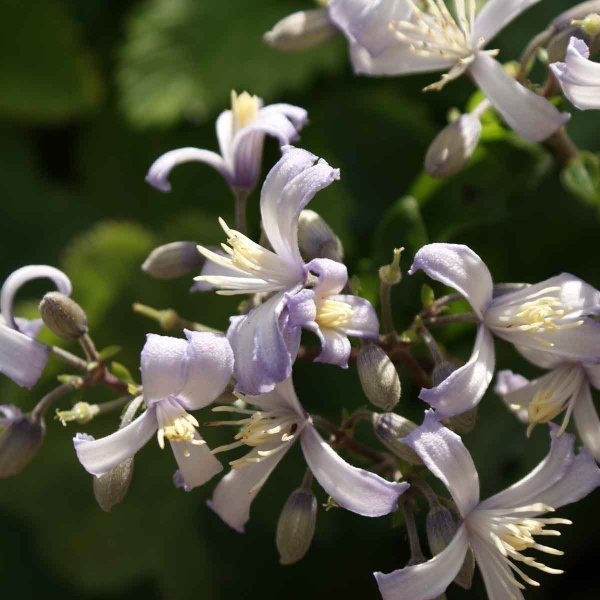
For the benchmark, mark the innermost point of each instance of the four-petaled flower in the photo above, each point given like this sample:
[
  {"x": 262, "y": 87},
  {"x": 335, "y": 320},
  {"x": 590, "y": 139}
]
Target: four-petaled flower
[
  {"x": 579, "y": 77},
  {"x": 278, "y": 421},
  {"x": 241, "y": 133},
  {"x": 552, "y": 316},
  {"x": 177, "y": 376},
  {"x": 498, "y": 530},
  {"x": 397, "y": 37},
  {"x": 266, "y": 340},
  {"x": 21, "y": 357}
]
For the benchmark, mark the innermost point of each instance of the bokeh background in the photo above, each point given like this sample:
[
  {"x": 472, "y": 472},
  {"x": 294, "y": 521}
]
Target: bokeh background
[{"x": 91, "y": 92}]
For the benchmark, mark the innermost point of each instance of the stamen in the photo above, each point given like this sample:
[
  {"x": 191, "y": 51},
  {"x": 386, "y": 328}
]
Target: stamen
[
  {"x": 244, "y": 109},
  {"x": 331, "y": 313}
]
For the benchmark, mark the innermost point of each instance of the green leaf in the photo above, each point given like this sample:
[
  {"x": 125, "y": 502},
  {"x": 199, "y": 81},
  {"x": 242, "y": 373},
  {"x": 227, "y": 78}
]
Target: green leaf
[
  {"x": 427, "y": 296},
  {"x": 109, "y": 352},
  {"x": 183, "y": 57},
  {"x": 581, "y": 177},
  {"x": 122, "y": 372},
  {"x": 47, "y": 74}
]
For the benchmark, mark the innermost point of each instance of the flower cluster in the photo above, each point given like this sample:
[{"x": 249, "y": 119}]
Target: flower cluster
[{"x": 296, "y": 284}]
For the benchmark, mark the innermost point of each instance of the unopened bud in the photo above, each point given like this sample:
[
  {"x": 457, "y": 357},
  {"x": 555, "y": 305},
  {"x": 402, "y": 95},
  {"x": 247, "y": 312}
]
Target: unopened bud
[
  {"x": 441, "y": 527},
  {"x": 378, "y": 377},
  {"x": 316, "y": 239},
  {"x": 390, "y": 428},
  {"x": 63, "y": 316},
  {"x": 173, "y": 260},
  {"x": 453, "y": 146},
  {"x": 590, "y": 25},
  {"x": 296, "y": 526},
  {"x": 82, "y": 412},
  {"x": 578, "y": 12},
  {"x": 463, "y": 423},
  {"x": 391, "y": 274},
  {"x": 441, "y": 372},
  {"x": 301, "y": 30},
  {"x": 111, "y": 488},
  {"x": 19, "y": 443}
]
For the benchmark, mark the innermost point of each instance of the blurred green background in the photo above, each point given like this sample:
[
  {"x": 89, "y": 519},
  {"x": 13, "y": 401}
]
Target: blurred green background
[{"x": 91, "y": 92}]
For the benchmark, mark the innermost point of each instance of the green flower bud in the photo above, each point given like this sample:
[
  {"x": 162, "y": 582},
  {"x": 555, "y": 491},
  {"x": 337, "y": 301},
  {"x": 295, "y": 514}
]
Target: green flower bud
[
  {"x": 173, "y": 260},
  {"x": 301, "y": 30},
  {"x": 111, "y": 488},
  {"x": 19, "y": 443},
  {"x": 316, "y": 239},
  {"x": 378, "y": 377},
  {"x": 463, "y": 423},
  {"x": 296, "y": 526},
  {"x": 391, "y": 274},
  {"x": 390, "y": 428},
  {"x": 63, "y": 316}
]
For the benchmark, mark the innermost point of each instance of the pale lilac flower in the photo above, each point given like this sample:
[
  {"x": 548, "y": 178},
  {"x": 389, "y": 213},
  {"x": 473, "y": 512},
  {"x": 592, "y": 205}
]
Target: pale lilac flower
[
  {"x": 397, "y": 37},
  {"x": 551, "y": 316},
  {"x": 578, "y": 76},
  {"x": 21, "y": 436},
  {"x": 278, "y": 421},
  {"x": 266, "y": 340},
  {"x": 177, "y": 376},
  {"x": 21, "y": 357},
  {"x": 241, "y": 133},
  {"x": 565, "y": 388},
  {"x": 498, "y": 530}
]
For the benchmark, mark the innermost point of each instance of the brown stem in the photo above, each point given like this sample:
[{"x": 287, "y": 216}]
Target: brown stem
[
  {"x": 450, "y": 319},
  {"x": 562, "y": 147}
]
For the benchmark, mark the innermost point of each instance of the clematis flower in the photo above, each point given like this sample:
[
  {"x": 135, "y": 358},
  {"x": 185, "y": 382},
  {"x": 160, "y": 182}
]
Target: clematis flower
[
  {"x": 241, "y": 133},
  {"x": 177, "y": 376},
  {"x": 266, "y": 340},
  {"x": 271, "y": 430},
  {"x": 498, "y": 530},
  {"x": 578, "y": 76},
  {"x": 551, "y": 316},
  {"x": 398, "y": 37},
  {"x": 565, "y": 388},
  {"x": 21, "y": 357}
]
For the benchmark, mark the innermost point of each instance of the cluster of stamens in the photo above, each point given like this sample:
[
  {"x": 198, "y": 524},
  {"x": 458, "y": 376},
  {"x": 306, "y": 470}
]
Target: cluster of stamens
[
  {"x": 332, "y": 313},
  {"x": 180, "y": 429},
  {"x": 512, "y": 535},
  {"x": 244, "y": 109},
  {"x": 434, "y": 32},
  {"x": 539, "y": 314},
  {"x": 275, "y": 429}
]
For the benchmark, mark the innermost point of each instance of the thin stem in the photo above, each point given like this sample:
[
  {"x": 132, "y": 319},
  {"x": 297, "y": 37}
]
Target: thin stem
[
  {"x": 438, "y": 304},
  {"x": 562, "y": 147},
  {"x": 385, "y": 297},
  {"x": 431, "y": 344},
  {"x": 89, "y": 348},
  {"x": 133, "y": 407},
  {"x": 46, "y": 402},
  {"x": 241, "y": 197},
  {"x": 71, "y": 359},
  {"x": 416, "y": 553},
  {"x": 450, "y": 319},
  {"x": 113, "y": 405},
  {"x": 355, "y": 417},
  {"x": 530, "y": 51},
  {"x": 307, "y": 480},
  {"x": 425, "y": 490},
  {"x": 169, "y": 320}
]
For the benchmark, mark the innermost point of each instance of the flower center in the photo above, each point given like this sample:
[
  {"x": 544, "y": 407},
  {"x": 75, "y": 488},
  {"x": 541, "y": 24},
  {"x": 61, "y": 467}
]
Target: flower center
[
  {"x": 560, "y": 390},
  {"x": 434, "y": 32},
  {"x": 244, "y": 108},
  {"x": 268, "y": 431},
  {"x": 331, "y": 313},
  {"x": 179, "y": 429},
  {"x": 512, "y": 534},
  {"x": 540, "y": 313}
]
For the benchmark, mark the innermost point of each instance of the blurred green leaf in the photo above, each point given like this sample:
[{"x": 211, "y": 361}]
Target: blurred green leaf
[
  {"x": 182, "y": 58},
  {"x": 122, "y": 372},
  {"x": 581, "y": 177},
  {"x": 46, "y": 74},
  {"x": 109, "y": 352}
]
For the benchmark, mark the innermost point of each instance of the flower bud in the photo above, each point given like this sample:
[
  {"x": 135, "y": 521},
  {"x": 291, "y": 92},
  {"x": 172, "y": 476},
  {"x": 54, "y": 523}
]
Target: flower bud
[
  {"x": 590, "y": 25},
  {"x": 453, "y": 146},
  {"x": 578, "y": 12},
  {"x": 296, "y": 526},
  {"x": 378, "y": 377},
  {"x": 391, "y": 274},
  {"x": 82, "y": 412},
  {"x": 390, "y": 428},
  {"x": 63, "y": 316},
  {"x": 173, "y": 260},
  {"x": 463, "y": 423},
  {"x": 301, "y": 30},
  {"x": 111, "y": 488},
  {"x": 442, "y": 370},
  {"x": 19, "y": 442},
  {"x": 316, "y": 239}
]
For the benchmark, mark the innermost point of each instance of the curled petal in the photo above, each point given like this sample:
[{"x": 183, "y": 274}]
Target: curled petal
[
  {"x": 225, "y": 130},
  {"x": 579, "y": 77},
  {"x": 302, "y": 309},
  {"x": 363, "y": 322},
  {"x": 354, "y": 489},
  {"x": 458, "y": 267},
  {"x": 587, "y": 421},
  {"x": 530, "y": 115},
  {"x": 297, "y": 115},
  {"x": 429, "y": 579},
  {"x": 196, "y": 463},
  {"x": 164, "y": 366},
  {"x": 464, "y": 388},
  {"x": 496, "y": 14},
  {"x": 23, "y": 275},
  {"x": 100, "y": 456},
  {"x": 446, "y": 457},
  {"x": 335, "y": 347},
  {"x": 158, "y": 174},
  {"x": 332, "y": 276},
  {"x": 209, "y": 368},
  {"x": 21, "y": 358},
  {"x": 234, "y": 494},
  {"x": 531, "y": 488}
]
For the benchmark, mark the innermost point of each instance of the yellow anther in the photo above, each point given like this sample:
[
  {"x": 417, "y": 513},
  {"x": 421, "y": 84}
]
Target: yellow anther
[
  {"x": 244, "y": 108},
  {"x": 331, "y": 313}
]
